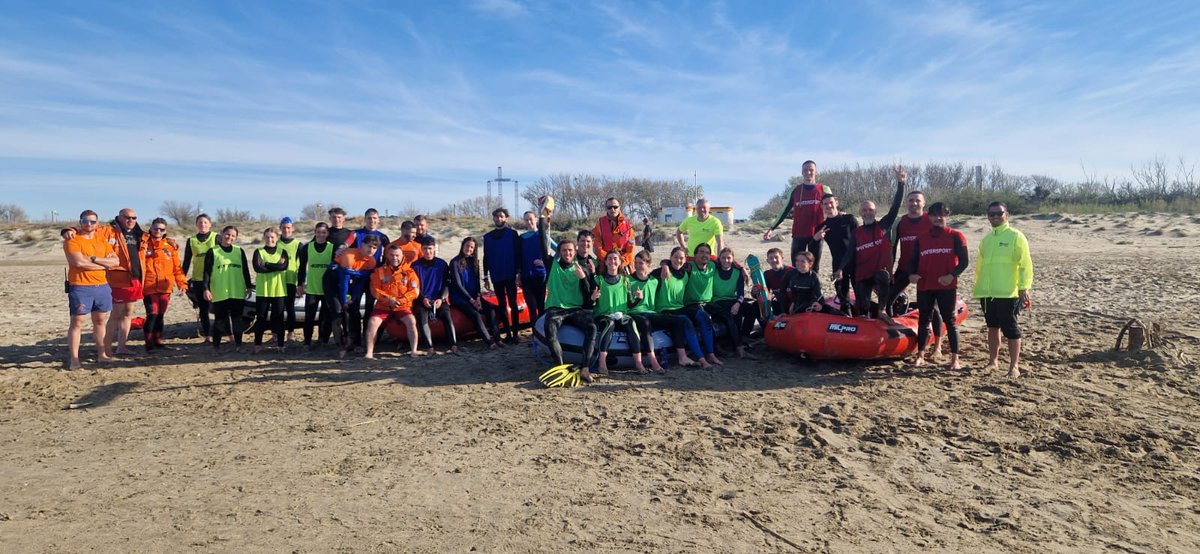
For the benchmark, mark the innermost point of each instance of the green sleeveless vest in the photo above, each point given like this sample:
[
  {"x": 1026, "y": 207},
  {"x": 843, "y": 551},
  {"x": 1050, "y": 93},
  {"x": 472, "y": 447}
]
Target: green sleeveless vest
[
  {"x": 649, "y": 289},
  {"x": 292, "y": 247},
  {"x": 562, "y": 287},
  {"x": 670, "y": 296},
  {"x": 200, "y": 252},
  {"x": 227, "y": 279},
  {"x": 271, "y": 284},
  {"x": 318, "y": 264},
  {"x": 700, "y": 284},
  {"x": 613, "y": 298},
  {"x": 725, "y": 289}
]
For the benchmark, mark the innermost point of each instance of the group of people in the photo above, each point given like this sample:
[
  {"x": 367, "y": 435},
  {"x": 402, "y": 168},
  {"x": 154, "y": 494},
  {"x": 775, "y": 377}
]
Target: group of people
[
  {"x": 882, "y": 257},
  {"x": 593, "y": 281}
]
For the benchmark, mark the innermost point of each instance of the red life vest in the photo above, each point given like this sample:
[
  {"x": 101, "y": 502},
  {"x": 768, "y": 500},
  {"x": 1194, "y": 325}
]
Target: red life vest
[
  {"x": 937, "y": 257},
  {"x": 806, "y": 209},
  {"x": 907, "y": 231},
  {"x": 872, "y": 251},
  {"x": 614, "y": 237}
]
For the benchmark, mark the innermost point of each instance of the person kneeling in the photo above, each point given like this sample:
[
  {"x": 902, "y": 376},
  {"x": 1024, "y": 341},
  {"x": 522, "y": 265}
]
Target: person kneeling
[{"x": 395, "y": 286}]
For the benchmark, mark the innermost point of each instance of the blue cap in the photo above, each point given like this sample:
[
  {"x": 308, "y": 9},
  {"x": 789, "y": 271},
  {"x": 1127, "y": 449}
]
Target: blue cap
[{"x": 285, "y": 220}]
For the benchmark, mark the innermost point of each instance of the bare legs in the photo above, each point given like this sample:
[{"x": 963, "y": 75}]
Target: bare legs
[
  {"x": 410, "y": 329},
  {"x": 1014, "y": 353},
  {"x": 99, "y": 334},
  {"x": 118, "y": 327}
]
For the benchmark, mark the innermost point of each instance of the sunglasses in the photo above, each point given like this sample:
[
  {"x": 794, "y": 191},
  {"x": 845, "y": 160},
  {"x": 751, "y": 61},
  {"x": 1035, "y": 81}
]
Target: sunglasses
[
  {"x": 995, "y": 214},
  {"x": 89, "y": 221},
  {"x": 160, "y": 229},
  {"x": 613, "y": 207},
  {"x": 130, "y": 217}
]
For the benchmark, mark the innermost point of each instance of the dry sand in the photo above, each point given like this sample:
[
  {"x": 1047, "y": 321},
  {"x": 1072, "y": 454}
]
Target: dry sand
[{"x": 1092, "y": 451}]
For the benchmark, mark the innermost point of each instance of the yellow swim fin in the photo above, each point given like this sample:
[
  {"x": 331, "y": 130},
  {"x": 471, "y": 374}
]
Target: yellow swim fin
[{"x": 553, "y": 377}]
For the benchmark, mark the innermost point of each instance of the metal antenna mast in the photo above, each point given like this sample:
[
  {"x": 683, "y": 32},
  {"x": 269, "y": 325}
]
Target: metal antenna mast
[{"x": 500, "y": 180}]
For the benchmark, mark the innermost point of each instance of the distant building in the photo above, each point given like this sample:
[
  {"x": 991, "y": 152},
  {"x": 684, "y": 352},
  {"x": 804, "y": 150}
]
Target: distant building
[
  {"x": 725, "y": 214},
  {"x": 674, "y": 215}
]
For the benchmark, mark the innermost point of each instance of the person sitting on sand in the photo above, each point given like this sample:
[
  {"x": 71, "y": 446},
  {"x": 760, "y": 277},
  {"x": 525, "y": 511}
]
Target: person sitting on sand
[
  {"x": 395, "y": 286},
  {"x": 938, "y": 257},
  {"x": 1003, "y": 277}
]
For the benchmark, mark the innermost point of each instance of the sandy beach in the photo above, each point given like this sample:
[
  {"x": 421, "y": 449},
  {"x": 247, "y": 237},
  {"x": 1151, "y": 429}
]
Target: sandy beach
[{"x": 1093, "y": 450}]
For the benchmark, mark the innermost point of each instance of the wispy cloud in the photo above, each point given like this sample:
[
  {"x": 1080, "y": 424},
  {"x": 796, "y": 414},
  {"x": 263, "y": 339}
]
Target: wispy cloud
[
  {"x": 424, "y": 103},
  {"x": 504, "y": 8}
]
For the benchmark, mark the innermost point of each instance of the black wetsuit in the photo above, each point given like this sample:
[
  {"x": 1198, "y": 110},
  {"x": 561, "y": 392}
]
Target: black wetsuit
[
  {"x": 839, "y": 233},
  {"x": 275, "y": 305},
  {"x": 316, "y": 311},
  {"x": 195, "y": 286},
  {"x": 881, "y": 281}
]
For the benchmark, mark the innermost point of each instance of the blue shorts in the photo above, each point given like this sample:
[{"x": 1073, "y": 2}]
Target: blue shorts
[{"x": 85, "y": 299}]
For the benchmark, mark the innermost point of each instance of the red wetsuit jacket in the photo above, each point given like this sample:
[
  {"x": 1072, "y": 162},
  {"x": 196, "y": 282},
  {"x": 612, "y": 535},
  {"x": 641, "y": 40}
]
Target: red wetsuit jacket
[
  {"x": 938, "y": 252},
  {"x": 806, "y": 209},
  {"x": 907, "y": 232}
]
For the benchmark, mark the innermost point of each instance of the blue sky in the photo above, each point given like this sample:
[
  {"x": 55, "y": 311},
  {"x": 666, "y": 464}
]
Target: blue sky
[{"x": 267, "y": 106}]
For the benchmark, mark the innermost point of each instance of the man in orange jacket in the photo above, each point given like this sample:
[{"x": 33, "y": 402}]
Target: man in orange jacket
[
  {"x": 125, "y": 237},
  {"x": 614, "y": 232},
  {"x": 395, "y": 286},
  {"x": 162, "y": 273}
]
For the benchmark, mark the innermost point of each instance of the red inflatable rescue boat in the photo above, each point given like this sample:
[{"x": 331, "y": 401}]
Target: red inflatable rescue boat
[
  {"x": 837, "y": 337},
  {"x": 463, "y": 326}
]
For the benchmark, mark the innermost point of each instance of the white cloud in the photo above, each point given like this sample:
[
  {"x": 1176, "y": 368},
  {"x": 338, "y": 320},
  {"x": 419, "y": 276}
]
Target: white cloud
[{"x": 503, "y": 8}]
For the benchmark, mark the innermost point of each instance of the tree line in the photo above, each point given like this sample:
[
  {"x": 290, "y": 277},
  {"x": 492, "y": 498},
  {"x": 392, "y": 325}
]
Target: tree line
[
  {"x": 581, "y": 196},
  {"x": 1156, "y": 185}
]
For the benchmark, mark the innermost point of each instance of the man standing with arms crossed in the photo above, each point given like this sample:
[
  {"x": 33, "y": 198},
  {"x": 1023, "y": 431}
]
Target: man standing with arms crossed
[
  {"x": 804, "y": 204},
  {"x": 1003, "y": 277},
  {"x": 88, "y": 291}
]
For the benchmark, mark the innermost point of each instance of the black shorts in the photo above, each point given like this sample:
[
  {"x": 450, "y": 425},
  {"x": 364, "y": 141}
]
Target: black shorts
[{"x": 1002, "y": 313}]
